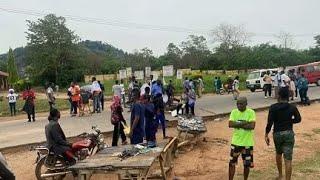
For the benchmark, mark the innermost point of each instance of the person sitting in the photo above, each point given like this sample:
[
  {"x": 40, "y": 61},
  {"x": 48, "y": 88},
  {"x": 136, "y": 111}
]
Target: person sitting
[{"x": 56, "y": 139}]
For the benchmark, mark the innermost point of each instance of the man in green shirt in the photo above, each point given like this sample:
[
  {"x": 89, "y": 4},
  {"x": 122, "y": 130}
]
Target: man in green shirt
[{"x": 242, "y": 120}]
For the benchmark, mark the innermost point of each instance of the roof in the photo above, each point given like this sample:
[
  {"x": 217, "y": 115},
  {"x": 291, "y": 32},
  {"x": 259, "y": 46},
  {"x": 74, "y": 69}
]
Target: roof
[{"x": 3, "y": 73}]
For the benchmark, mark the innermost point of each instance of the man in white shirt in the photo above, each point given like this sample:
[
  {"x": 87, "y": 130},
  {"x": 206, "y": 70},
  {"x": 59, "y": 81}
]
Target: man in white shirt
[
  {"x": 50, "y": 96},
  {"x": 12, "y": 98},
  {"x": 116, "y": 89},
  {"x": 281, "y": 81},
  {"x": 123, "y": 93},
  {"x": 95, "y": 91}
]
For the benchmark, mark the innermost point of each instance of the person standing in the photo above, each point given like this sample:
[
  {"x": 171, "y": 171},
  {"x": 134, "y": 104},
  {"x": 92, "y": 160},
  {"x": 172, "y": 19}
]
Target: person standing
[
  {"x": 123, "y": 93},
  {"x": 50, "y": 96},
  {"x": 12, "y": 98},
  {"x": 292, "y": 88},
  {"x": 95, "y": 91},
  {"x": 137, "y": 119},
  {"x": 29, "y": 107},
  {"x": 75, "y": 98},
  {"x": 282, "y": 116},
  {"x": 267, "y": 84},
  {"x": 219, "y": 85},
  {"x": 235, "y": 86},
  {"x": 170, "y": 92},
  {"x": 101, "y": 95},
  {"x": 303, "y": 89},
  {"x": 186, "y": 83},
  {"x": 117, "y": 119},
  {"x": 191, "y": 101},
  {"x": 215, "y": 84},
  {"x": 116, "y": 89},
  {"x": 69, "y": 94},
  {"x": 151, "y": 123},
  {"x": 242, "y": 120},
  {"x": 200, "y": 87},
  {"x": 283, "y": 81}
]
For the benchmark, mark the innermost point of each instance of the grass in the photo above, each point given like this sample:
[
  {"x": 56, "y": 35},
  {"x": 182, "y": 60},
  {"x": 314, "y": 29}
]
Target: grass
[
  {"x": 40, "y": 106},
  {"x": 317, "y": 130}
]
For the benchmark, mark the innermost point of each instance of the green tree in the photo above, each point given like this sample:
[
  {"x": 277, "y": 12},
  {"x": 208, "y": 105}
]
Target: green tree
[
  {"x": 12, "y": 68},
  {"x": 52, "y": 48}
]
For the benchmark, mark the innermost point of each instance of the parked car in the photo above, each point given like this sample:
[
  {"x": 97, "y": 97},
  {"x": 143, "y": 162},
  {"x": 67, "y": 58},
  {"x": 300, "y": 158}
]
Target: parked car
[
  {"x": 311, "y": 71},
  {"x": 255, "y": 78}
]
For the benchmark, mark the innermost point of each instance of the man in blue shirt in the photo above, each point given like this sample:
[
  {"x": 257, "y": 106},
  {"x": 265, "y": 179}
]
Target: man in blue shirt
[
  {"x": 137, "y": 119},
  {"x": 156, "y": 89}
]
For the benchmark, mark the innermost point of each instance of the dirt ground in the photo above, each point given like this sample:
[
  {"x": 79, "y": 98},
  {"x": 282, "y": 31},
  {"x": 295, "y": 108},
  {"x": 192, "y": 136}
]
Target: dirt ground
[{"x": 209, "y": 159}]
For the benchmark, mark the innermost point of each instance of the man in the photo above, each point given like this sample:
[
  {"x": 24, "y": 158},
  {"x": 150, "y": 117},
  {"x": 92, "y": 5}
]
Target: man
[
  {"x": 170, "y": 92},
  {"x": 56, "y": 138},
  {"x": 282, "y": 116},
  {"x": 242, "y": 120},
  {"x": 303, "y": 89},
  {"x": 50, "y": 96},
  {"x": 123, "y": 93},
  {"x": 116, "y": 89},
  {"x": 267, "y": 84},
  {"x": 137, "y": 119},
  {"x": 95, "y": 91},
  {"x": 235, "y": 87},
  {"x": 186, "y": 83},
  {"x": 102, "y": 95},
  {"x": 219, "y": 85},
  {"x": 282, "y": 81},
  {"x": 157, "y": 89},
  {"x": 143, "y": 87},
  {"x": 29, "y": 106},
  {"x": 215, "y": 84},
  {"x": 5, "y": 172},
  {"x": 12, "y": 98},
  {"x": 200, "y": 87}
]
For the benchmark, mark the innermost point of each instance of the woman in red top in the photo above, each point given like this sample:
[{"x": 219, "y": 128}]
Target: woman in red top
[{"x": 29, "y": 96}]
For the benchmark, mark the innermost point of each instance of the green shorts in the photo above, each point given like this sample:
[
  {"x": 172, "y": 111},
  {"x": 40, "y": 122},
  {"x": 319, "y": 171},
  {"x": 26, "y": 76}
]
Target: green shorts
[{"x": 284, "y": 142}]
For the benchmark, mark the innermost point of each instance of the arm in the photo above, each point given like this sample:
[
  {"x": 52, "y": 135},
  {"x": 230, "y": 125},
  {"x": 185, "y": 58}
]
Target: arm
[
  {"x": 242, "y": 124},
  {"x": 269, "y": 126},
  {"x": 296, "y": 115}
]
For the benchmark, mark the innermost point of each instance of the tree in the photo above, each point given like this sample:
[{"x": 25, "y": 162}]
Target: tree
[
  {"x": 230, "y": 38},
  {"x": 53, "y": 48},
  {"x": 317, "y": 39},
  {"x": 285, "y": 40},
  {"x": 12, "y": 68}
]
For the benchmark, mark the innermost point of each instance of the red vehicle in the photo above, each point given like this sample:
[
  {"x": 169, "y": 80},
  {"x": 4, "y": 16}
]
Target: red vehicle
[{"x": 311, "y": 71}]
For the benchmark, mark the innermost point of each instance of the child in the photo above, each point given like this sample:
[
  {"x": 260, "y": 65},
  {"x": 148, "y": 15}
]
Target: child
[{"x": 12, "y": 98}]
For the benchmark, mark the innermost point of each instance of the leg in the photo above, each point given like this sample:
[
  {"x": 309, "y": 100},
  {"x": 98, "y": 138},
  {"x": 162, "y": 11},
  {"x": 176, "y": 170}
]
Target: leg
[
  {"x": 14, "y": 108},
  {"x": 11, "y": 108},
  {"x": 269, "y": 89},
  {"x": 33, "y": 114},
  {"x": 279, "y": 164},
  {"x": 265, "y": 88},
  {"x": 122, "y": 134},
  {"x": 102, "y": 102},
  {"x": 288, "y": 165},
  {"x": 29, "y": 117},
  {"x": 187, "y": 108},
  {"x": 163, "y": 124},
  {"x": 232, "y": 171},
  {"x": 192, "y": 110},
  {"x": 246, "y": 171},
  {"x": 115, "y": 135}
]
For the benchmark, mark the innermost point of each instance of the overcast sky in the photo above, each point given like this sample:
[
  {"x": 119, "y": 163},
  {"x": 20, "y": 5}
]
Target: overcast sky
[{"x": 261, "y": 17}]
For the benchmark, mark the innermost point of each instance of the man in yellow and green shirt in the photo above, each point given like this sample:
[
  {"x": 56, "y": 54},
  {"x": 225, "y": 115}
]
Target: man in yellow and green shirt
[{"x": 242, "y": 120}]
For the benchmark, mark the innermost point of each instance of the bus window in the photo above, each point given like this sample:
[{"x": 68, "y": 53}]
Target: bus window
[{"x": 310, "y": 68}]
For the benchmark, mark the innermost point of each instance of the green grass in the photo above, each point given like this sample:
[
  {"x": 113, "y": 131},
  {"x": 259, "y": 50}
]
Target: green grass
[
  {"x": 317, "y": 130},
  {"x": 40, "y": 106}
]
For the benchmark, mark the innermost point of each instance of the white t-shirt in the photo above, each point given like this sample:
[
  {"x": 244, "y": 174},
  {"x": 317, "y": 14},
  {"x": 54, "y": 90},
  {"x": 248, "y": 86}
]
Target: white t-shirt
[
  {"x": 12, "y": 97},
  {"x": 116, "y": 89},
  {"x": 95, "y": 87},
  {"x": 122, "y": 89}
]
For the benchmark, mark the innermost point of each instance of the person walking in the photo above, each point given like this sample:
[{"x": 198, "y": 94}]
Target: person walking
[
  {"x": 117, "y": 119},
  {"x": 29, "y": 106},
  {"x": 123, "y": 93},
  {"x": 12, "y": 99},
  {"x": 303, "y": 89},
  {"x": 292, "y": 88},
  {"x": 116, "y": 89},
  {"x": 95, "y": 91},
  {"x": 200, "y": 87},
  {"x": 102, "y": 95},
  {"x": 50, "y": 96},
  {"x": 219, "y": 85},
  {"x": 267, "y": 84},
  {"x": 151, "y": 123},
  {"x": 191, "y": 101},
  {"x": 215, "y": 84},
  {"x": 282, "y": 116},
  {"x": 242, "y": 120},
  {"x": 137, "y": 119}
]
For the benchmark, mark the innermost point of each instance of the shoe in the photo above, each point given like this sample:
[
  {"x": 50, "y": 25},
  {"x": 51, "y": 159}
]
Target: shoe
[
  {"x": 33, "y": 120},
  {"x": 29, "y": 120},
  {"x": 265, "y": 97},
  {"x": 125, "y": 143}
]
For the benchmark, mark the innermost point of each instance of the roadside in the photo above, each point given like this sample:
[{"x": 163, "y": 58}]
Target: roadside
[{"x": 209, "y": 159}]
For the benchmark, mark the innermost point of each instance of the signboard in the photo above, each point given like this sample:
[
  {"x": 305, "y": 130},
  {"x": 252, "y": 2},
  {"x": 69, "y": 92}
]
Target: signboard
[
  {"x": 167, "y": 70},
  {"x": 139, "y": 74},
  {"x": 155, "y": 75},
  {"x": 123, "y": 73},
  {"x": 129, "y": 71},
  {"x": 179, "y": 74},
  {"x": 148, "y": 71}
]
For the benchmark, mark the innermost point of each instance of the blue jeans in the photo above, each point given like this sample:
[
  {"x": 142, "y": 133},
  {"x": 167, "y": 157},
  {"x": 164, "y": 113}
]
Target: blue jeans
[
  {"x": 96, "y": 103},
  {"x": 160, "y": 117}
]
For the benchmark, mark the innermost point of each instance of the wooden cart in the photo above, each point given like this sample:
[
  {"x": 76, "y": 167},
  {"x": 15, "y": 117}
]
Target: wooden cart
[{"x": 136, "y": 167}]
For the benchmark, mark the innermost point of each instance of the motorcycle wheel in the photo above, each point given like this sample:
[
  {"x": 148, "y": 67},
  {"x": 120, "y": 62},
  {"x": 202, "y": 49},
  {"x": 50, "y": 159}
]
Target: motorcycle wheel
[{"x": 42, "y": 169}]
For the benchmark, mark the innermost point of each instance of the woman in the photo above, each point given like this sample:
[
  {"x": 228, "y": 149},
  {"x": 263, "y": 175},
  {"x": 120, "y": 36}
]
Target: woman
[
  {"x": 28, "y": 95},
  {"x": 116, "y": 119}
]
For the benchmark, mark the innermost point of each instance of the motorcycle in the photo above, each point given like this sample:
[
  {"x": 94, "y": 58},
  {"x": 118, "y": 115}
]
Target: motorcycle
[{"x": 50, "y": 165}]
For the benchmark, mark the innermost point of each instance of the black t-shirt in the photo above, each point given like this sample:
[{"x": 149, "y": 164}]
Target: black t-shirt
[{"x": 282, "y": 116}]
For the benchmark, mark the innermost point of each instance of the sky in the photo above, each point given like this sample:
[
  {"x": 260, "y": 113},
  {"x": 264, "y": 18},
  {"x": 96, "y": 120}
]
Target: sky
[{"x": 135, "y": 24}]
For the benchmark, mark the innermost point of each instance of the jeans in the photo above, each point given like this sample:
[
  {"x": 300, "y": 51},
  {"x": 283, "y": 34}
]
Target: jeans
[
  {"x": 96, "y": 103},
  {"x": 75, "y": 107},
  {"x": 160, "y": 117},
  {"x": 12, "y": 108},
  {"x": 102, "y": 100},
  {"x": 267, "y": 90},
  {"x": 32, "y": 113},
  {"x": 303, "y": 95}
]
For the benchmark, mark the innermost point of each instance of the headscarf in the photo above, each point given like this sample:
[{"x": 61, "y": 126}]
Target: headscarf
[{"x": 116, "y": 102}]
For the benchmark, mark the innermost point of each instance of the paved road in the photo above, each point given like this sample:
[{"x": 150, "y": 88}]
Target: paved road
[{"x": 13, "y": 133}]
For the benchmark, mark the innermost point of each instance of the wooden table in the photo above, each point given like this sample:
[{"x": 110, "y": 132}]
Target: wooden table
[
  {"x": 136, "y": 167},
  {"x": 183, "y": 136}
]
